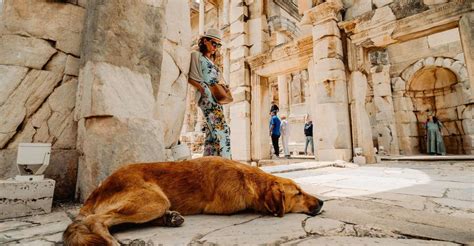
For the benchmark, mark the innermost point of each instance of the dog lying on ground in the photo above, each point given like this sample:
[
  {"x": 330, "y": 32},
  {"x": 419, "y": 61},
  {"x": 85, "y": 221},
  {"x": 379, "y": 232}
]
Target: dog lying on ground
[{"x": 160, "y": 193}]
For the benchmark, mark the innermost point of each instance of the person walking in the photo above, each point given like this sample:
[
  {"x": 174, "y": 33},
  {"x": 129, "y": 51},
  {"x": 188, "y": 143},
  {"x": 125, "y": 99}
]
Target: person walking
[
  {"x": 308, "y": 132},
  {"x": 434, "y": 138},
  {"x": 285, "y": 136},
  {"x": 203, "y": 73},
  {"x": 275, "y": 125}
]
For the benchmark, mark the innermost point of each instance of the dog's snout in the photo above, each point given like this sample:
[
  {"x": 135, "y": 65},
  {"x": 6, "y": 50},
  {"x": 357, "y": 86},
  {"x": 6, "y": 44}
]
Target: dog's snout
[
  {"x": 317, "y": 208},
  {"x": 321, "y": 202}
]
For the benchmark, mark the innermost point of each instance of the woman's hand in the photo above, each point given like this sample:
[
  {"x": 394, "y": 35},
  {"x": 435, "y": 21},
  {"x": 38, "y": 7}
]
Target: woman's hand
[{"x": 197, "y": 85}]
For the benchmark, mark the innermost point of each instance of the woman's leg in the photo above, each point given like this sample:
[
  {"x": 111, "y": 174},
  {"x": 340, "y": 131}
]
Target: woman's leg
[
  {"x": 224, "y": 142},
  {"x": 306, "y": 145}
]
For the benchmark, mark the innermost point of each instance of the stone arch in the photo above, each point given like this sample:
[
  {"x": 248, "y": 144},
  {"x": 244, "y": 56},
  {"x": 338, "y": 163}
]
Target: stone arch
[{"x": 438, "y": 85}]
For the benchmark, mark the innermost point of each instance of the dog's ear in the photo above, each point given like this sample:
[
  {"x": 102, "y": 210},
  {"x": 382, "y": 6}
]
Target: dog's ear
[{"x": 275, "y": 199}]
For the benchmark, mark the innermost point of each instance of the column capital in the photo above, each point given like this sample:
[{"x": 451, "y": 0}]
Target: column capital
[{"x": 328, "y": 10}]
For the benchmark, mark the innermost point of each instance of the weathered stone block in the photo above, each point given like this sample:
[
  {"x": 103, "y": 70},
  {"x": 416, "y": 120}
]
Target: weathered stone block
[
  {"x": 381, "y": 3},
  {"x": 72, "y": 66},
  {"x": 443, "y": 38},
  {"x": 398, "y": 84},
  {"x": 108, "y": 90},
  {"x": 240, "y": 134},
  {"x": 178, "y": 29},
  {"x": 24, "y": 51},
  {"x": 405, "y": 116},
  {"x": 22, "y": 198},
  {"x": 57, "y": 63},
  {"x": 325, "y": 76},
  {"x": 11, "y": 77},
  {"x": 327, "y": 47},
  {"x": 331, "y": 91},
  {"x": 56, "y": 21},
  {"x": 328, "y": 28},
  {"x": 110, "y": 143},
  {"x": 333, "y": 131}
]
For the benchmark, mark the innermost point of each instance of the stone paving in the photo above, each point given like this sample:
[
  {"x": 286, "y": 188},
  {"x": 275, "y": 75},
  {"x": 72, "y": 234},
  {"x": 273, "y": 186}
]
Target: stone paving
[{"x": 392, "y": 203}]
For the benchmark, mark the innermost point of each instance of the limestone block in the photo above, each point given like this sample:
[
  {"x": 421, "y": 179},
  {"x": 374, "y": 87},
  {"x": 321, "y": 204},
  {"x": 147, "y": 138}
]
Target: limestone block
[
  {"x": 170, "y": 110},
  {"x": 333, "y": 131},
  {"x": 358, "y": 7},
  {"x": 402, "y": 104},
  {"x": 408, "y": 73},
  {"x": 468, "y": 126},
  {"x": 398, "y": 84},
  {"x": 407, "y": 130},
  {"x": 468, "y": 112},
  {"x": 23, "y": 198},
  {"x": 56, "y": 21},
  {"x": 443, "y": 38},
  {"x": 447, "y": 62},
  {"x": 25, "y": 100},
  {"x": 439, "y": 61},
  {"x": 72, "y": 65},
  {"x": 241, "y": 94},
  {"x": 108, "y": 90},
  {"x": 328, "y": 28},
  {"x": 57, "y": 63},
  {"x": 468, "y": 143},
  {"x": 429, "y": 61},
  {"x": 54, "y": 121},
  {"x": 327, "y": 47},
  {"x": 381, "y": 3},
  {"x": 304, "y": 5},
  {"x": 409, "y": 145},
  {"x": 24, "y": 51},
  {"x": 383, "y": 89},
  {"x": 238, "y": 27},
  {"x": 177, "y": 19},
  {"x": 239, "y": 52},
  {"x": 111, "y": 142},
  {"x": 10, "y": 78},
  {"x": 405, "y": 116},
  {"x": 331, "y": 91},
  {"x": 383, "y": 103},
  {"x": 387, "y": 137},
  {"x": 239, "y": 78}
]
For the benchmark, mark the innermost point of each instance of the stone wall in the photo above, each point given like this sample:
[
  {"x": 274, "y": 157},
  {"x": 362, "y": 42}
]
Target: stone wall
[
  {"x": 39, "y": 64},
  {"x": 101, "y": 104}
]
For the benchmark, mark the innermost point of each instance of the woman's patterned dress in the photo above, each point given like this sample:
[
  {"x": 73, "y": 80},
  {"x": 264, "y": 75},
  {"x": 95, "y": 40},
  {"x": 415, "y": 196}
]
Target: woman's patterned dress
[{"x": 217, "y": 141}]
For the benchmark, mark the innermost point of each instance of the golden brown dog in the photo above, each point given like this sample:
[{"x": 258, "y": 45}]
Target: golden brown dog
[{"x": 161, "y": 192}]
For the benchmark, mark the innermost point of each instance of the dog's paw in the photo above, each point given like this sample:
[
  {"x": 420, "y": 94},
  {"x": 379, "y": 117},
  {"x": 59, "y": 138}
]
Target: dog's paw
[{"x": 174, "y": 219}]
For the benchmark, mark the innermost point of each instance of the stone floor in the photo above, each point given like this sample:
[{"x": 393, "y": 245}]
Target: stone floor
[{"x": 392, "y": 203}]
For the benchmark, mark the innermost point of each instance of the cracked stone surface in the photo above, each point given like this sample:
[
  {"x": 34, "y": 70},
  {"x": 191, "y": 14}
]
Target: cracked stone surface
[{"x": 392, "y": 203}]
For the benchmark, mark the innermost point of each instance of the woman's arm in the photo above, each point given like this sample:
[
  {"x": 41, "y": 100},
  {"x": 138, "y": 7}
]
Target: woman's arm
[{"x": 197, "y": 85}]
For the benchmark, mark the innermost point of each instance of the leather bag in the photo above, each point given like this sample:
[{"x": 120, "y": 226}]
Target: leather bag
[{"x": 221, "y": 93}]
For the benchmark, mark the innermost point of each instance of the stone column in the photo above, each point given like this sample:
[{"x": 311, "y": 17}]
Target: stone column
[
  {"x": 362, "y": 131},
  {"x": 283, "y": 81},
  {"x": 328, "y": 86},
  {"x": 128, "y": 111},
  {"x": 202, "y": 15},
  {"x": 466, "y": 30},
  {"x": 385, "y": 116},
  {"x": 239, "y": 82},
  {"x": 260, "y": 118}
]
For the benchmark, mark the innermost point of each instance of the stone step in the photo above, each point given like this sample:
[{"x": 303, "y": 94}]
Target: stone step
[{"x": 428, "y": 158}]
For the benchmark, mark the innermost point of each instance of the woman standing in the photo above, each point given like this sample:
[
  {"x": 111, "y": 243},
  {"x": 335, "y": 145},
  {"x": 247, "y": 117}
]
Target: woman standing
[
  {"x": 435, "y": 143},
  {"x": 203, "y": 73}
]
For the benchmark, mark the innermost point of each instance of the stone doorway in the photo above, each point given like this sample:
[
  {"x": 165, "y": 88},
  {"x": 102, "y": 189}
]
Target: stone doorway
[{"x": 433, "y": 86}]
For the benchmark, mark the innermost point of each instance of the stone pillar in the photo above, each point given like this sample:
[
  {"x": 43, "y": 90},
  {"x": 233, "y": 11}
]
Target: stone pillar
[
  {"x": 362, "y": 131},
  {"x": 283, "y": 94},
  {"x": 260, "y": 118},
  {"x": 202, "y": 15},
  {"x": 239, "y": 82},
  {"x": 466, "y": 30},
  {"x": 330, "y": 109},
  {"x": 128, "y": 111},
  {"x": 385, "y": 116},
  {"x": 283, "y": 81}
]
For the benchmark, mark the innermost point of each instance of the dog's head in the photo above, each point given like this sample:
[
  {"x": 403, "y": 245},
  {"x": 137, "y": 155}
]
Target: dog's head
[{"x": 285, "y": 196}]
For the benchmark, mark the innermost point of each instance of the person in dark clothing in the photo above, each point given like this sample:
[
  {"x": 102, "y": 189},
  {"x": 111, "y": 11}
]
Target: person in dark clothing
[
  {"x": 274, "y": 107},
  {"x": 275, "y": 133},
  {"x": 308, "y": 132}
]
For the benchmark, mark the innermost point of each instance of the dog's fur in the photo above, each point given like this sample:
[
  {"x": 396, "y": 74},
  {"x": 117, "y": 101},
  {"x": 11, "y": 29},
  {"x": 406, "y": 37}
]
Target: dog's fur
[{"x": 158, "y": 192}]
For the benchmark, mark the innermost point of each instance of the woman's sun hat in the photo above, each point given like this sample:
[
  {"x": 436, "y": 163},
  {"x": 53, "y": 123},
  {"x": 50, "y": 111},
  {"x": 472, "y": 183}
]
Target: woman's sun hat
[{"x": 212, "y": 33}]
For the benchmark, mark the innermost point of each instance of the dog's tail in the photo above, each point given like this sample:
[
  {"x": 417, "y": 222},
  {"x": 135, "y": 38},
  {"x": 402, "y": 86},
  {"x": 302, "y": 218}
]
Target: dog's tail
[{"x": 79, "y": 233}]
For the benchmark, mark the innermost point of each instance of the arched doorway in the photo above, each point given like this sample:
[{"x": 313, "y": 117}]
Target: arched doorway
[{"x": 436, "y": 86}]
